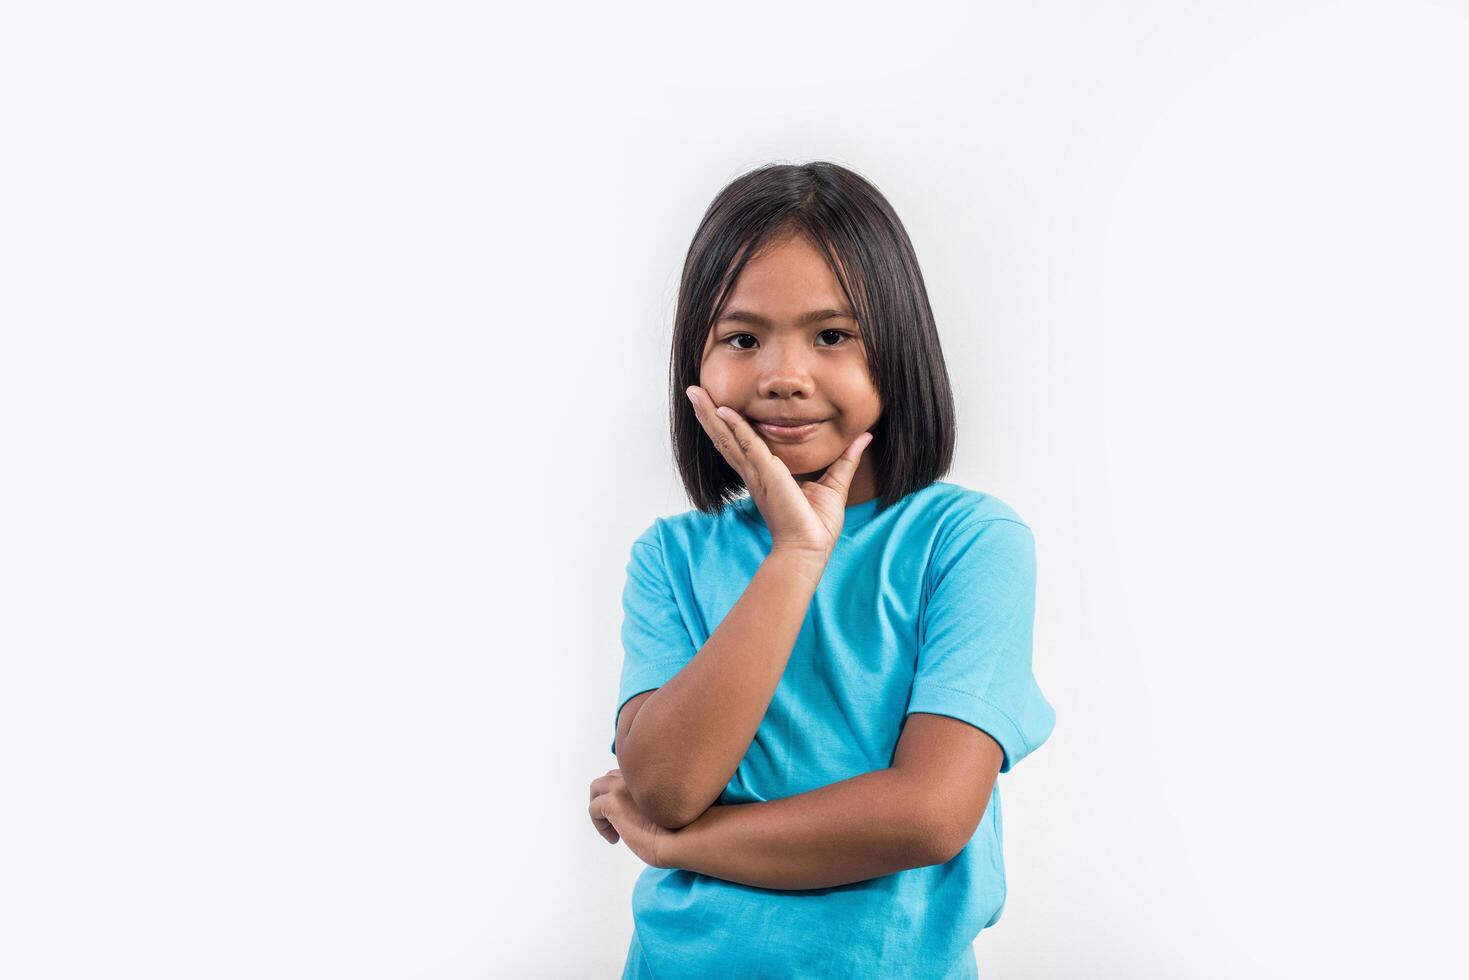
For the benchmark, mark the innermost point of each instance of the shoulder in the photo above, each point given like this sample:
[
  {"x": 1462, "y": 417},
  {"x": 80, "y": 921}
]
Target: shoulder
[
  {"x": 683, "y": 532},
  {"x": 973, "y": 528},
  {"x": 951, "y": 507}
]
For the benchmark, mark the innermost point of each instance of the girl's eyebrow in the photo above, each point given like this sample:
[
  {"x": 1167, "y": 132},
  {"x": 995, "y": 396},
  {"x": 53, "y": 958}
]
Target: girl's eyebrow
[{"x": 815, "y": 316}]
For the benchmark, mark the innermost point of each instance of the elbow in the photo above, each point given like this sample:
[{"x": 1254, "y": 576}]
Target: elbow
[
  {"x": 670, "y": 814},
  {"x": 933, "y": 847},
  {"x": 673, "y": 810},
  {"x": 664, "y": 804},
  {"x": 939, "y": 840},
  {"x": 662, "y": 788},
  {"x": 951, "y": 849}
]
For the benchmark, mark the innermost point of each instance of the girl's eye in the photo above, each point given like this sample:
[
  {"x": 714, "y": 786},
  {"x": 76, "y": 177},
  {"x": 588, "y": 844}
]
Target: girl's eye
[{"x": 842, "y": 337}]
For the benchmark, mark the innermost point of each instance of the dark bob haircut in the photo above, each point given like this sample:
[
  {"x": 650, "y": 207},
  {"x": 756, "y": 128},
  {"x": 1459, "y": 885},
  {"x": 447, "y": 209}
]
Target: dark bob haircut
[{"x": 858, "y": 232}]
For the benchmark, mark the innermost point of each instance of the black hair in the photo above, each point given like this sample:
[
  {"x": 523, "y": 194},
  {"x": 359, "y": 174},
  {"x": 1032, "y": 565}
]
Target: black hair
[{"x": 858, "y": 232}]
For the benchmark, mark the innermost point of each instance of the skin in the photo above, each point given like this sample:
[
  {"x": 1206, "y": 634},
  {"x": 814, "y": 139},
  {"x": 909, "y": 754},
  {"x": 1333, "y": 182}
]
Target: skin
[
  {"x": 926, "y": 806},
  {"x": 920, "y": 811},
  {"x": 785, "y": 367}
]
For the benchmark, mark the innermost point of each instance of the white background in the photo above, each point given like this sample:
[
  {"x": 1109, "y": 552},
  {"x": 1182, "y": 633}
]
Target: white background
[{"x": 333, "y": 391}]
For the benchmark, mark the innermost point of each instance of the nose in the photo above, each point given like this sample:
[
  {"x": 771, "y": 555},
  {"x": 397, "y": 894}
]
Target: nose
[{"x": 785, "y": 371}]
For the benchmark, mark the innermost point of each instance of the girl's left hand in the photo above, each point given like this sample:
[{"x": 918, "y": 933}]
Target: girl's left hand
[{"x": 616, "y": 815}]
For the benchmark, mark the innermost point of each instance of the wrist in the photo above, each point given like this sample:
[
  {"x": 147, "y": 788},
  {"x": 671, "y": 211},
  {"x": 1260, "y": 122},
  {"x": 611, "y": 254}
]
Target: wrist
[
  {"x": 672, "y": 850},
  {"x": 803, "y": 562}
]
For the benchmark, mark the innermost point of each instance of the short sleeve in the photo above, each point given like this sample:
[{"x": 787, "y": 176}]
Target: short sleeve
[
  {"x": 974, "y": 650},
  {"x": 655, "y": 641}
]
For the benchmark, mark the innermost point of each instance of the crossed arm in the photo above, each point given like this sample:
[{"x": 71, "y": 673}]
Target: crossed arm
[
  {"x": 691, "y": 733},
  {"x": 920, "y": 811}
]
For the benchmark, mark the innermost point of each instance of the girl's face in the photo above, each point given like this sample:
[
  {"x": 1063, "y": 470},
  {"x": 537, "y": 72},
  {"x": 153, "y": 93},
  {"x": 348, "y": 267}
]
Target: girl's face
[{"x": 787, "y": 347}]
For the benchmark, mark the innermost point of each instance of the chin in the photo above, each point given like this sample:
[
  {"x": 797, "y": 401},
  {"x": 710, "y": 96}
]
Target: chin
[{"x": 803, "y": 461}]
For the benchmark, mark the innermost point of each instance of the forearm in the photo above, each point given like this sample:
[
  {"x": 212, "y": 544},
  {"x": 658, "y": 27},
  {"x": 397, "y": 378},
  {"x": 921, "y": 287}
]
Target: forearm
[
  {"x": 690, "y": 735},
  {"x": 864, "y": 827}
]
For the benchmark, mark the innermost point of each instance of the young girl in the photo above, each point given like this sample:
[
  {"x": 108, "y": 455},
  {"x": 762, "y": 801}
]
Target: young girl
[{"x": 823, "y": 676}]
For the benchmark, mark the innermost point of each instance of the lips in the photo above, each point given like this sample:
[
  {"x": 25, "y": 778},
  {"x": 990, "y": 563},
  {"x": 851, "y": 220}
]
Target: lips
[{"x": 794, "y": 431}]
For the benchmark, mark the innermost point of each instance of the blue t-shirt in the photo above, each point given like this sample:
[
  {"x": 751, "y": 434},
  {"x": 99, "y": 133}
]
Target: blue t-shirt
[{"x": 927, "y": 606}]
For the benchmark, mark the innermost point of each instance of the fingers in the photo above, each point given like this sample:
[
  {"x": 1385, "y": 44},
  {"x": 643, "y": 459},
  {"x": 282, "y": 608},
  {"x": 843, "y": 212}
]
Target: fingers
[
  {"x": 749, "y": 441},
  {"x": 602, "y": 783},
  {"x": 838, "y": 475},
  {"x": 597, "y": 811},
  {"x": 720, "y": 431},
  {"x": 601, "y": 795}
]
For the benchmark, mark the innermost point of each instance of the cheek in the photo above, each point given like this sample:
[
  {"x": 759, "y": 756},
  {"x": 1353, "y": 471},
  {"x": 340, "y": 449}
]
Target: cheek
[
  {"x": 713, "y": 374},
  {"x": 710, "y": 382},
  {"x": 860, "y": 403},
  {"x": 718, "y": 389}
]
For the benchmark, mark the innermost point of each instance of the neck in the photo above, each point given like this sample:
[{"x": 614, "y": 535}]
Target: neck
[{"x": 864, "y": 485}]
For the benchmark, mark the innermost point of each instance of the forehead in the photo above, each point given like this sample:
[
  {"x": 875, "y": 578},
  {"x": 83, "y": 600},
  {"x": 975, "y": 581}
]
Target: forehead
[{"x": 785, "y": 274}]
